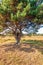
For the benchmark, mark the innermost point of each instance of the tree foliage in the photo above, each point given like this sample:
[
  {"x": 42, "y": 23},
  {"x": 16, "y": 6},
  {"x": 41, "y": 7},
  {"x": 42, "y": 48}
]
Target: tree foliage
[{"x": 19, "y": 9}]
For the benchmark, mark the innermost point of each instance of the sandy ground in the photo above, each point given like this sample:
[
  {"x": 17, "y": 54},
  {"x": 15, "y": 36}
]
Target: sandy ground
[{"x": 24, "y": 54}]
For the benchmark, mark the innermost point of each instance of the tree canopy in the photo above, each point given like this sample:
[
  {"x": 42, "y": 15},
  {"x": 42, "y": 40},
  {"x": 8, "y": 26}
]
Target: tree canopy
[{"x": 15, "y": 10}]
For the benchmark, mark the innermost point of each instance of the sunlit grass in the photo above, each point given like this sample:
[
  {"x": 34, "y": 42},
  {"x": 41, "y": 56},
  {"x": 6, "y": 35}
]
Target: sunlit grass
[
  {"x": 27, "y": 39},
  {"x": 15, "y": 56},
  {"x": 40, "y": 43}
]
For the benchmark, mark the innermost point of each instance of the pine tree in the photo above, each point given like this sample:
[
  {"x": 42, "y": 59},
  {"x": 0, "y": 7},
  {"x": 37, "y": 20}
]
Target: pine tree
[{"x": 13, "y": 12}]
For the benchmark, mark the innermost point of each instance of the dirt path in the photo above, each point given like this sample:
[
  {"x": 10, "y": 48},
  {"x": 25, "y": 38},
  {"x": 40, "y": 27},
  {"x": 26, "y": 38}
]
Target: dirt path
[{"x": 24, "y": 54}]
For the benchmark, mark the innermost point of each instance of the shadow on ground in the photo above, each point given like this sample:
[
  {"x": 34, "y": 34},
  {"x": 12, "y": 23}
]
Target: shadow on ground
[{"x": 22, "y": 47}]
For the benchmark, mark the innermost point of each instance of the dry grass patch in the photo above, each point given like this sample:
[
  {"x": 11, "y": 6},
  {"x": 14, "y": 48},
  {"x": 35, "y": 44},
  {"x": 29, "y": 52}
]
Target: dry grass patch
[{"x": 25, "y": 54}]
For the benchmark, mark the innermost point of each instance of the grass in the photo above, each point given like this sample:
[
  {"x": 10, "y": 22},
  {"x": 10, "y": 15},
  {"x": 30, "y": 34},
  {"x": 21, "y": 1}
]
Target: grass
[
  {"x": 23, "y": 55},
  {"x": 35, "y": 43},
  {"x": 11, "y": 39}
]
